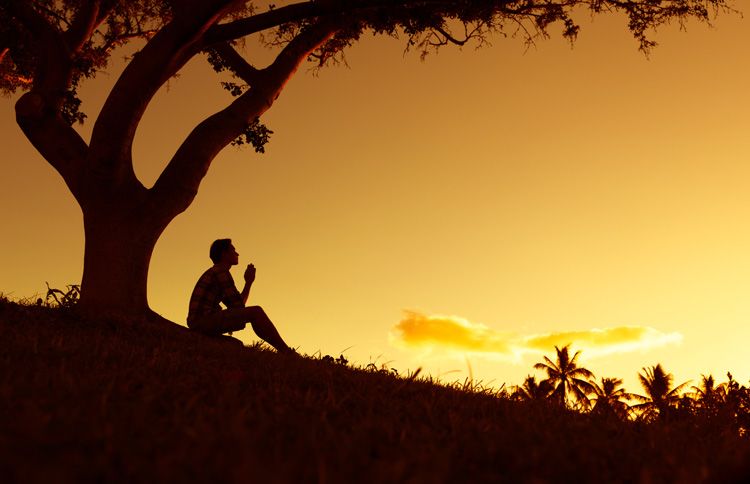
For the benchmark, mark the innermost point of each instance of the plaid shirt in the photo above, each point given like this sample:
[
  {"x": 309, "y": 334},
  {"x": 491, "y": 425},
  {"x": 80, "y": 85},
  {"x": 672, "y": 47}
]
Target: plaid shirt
[{"x": 214, "y": 286}]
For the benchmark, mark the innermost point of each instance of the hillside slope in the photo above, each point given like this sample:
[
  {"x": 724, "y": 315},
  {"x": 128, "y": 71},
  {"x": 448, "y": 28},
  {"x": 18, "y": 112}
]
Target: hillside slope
[{"x": 83, "y": 401}]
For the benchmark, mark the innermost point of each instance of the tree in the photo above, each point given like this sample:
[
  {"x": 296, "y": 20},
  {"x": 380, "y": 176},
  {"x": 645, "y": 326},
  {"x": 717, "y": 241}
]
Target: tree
[
  {"x": 609, "y": 398},
  {"x": 661, "y": 398},
  {"x": 736, "y": 407},
  {"x": 48, "y": 47},
  {"x": 709, "y": 396},
  {"x": 532, "y": 391},
  {"x": 567, "y": 378}
]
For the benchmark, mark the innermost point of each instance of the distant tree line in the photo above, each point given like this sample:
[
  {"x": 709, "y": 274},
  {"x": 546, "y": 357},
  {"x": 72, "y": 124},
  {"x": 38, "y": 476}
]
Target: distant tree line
[{"x": 572, "y": 387}]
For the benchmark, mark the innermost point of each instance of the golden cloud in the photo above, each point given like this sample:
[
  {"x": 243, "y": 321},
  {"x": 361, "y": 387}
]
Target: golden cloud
[
  {"x": 619, "y": 339},
  {"x": 457, "y": 335},
  {"x": 449, "y": 332}
]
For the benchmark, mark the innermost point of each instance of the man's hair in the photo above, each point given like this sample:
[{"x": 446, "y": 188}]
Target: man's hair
[{"x": 218, "y": 248}]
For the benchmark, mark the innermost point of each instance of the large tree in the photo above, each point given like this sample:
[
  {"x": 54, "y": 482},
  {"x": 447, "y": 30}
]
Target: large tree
[{"x": 48, "y": 47}]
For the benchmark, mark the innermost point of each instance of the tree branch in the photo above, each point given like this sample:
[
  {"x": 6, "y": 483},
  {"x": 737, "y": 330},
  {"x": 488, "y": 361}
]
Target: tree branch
[
  {"x": 160, "y": 59},
  {"x": 87, "y": 18},
  {"x": 297, "y": 12},
  {"x": 38, "y": 111},
  {"x": 319, "y": 8},
  {"x": 259, "y": 22},
  {"x": 178, "y": 184},
  {"x": 53, "y": 71},
  {"x": 236, "y": 63},
  {"x": 55, "y": 139},
  {"x": 51, "y": 12},
  {"x": 124, "y": 38},
  {"x": 447, "y": 37}
]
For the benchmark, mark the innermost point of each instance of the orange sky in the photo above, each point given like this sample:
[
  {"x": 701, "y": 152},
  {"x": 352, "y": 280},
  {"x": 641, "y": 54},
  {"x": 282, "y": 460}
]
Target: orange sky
[{"x": 519, "y": 193}]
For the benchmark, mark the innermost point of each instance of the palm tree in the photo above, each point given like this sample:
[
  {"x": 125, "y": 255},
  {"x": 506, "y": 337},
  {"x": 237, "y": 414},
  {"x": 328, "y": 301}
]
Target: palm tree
[
  {"x": 567, "y": 378},
  {"x": 660, "y": 397},
  {"x": 609, "y": 398},
  {"x": 708, "y": 396},
  {"x": 532, "y": 391}
]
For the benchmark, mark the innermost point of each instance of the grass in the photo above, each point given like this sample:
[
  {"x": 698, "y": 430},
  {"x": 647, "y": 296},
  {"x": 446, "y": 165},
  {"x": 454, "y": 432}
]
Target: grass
[{"x": 97, "y": 401}]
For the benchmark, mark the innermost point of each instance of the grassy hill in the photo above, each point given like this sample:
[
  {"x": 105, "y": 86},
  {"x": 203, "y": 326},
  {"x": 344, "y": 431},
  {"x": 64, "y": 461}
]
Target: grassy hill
[{"x": 97, "y": 401}]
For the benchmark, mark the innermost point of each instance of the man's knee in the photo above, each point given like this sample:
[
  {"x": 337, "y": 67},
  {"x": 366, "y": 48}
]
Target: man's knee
[{"x": 256, "y": 313}]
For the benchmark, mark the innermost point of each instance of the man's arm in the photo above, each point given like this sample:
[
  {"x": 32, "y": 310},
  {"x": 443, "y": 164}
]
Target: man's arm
[
  {"x": 230, "y": 296},
  {"x": 249, "y": 278}
]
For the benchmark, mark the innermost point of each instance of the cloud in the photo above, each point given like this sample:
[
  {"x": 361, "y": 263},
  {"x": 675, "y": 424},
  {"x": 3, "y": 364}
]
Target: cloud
[
  {"x": 620, "y": 339},
  {"x": 453, "y": 334},
  {"x": 449, "y": 332}
]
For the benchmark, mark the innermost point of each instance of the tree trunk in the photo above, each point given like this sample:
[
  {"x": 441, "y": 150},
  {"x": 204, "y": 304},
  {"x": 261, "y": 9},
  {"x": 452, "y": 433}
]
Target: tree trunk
[{"x": 119, "y": 244}]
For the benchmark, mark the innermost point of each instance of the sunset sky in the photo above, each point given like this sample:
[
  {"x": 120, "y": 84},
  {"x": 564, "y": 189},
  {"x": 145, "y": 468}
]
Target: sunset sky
[{"x": 465, "y": 213}]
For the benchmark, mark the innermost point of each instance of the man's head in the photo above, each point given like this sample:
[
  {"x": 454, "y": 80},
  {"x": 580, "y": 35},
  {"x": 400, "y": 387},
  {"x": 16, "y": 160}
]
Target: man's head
[{"x": 222, "y": 250}]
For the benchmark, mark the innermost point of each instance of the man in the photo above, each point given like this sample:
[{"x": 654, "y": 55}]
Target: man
[{"x": 217, "y": 286}]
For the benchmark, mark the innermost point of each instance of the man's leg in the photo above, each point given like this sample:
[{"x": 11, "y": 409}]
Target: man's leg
[
  {"x": 261, "y": 324},
  {"x": 216, "y": 324},
  {"x": 266, "y": 330}
]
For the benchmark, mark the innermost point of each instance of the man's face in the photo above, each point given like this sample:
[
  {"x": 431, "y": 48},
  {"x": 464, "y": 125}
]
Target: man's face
[{"x": 230, "y": 256}]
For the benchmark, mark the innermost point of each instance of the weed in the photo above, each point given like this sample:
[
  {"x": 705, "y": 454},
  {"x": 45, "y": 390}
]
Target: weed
[
  {"x": 341, "y": 360},
  {"x": 62, "y": 299}
]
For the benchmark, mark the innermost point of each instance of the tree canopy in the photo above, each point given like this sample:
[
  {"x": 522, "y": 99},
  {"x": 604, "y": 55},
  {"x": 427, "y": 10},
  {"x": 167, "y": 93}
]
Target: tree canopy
[
  {"x": 570, "y": 381},
  {"x": 660, "y": 395},
  {"x": 84, "y": 33}
]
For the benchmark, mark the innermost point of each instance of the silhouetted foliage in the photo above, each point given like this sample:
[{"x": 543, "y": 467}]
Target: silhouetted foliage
[
  {"x": 571, "y": 385},
  {"x": 255, "y": 134},
  {"x": 533, "y": 391},
  {"x": 736, "y": 407},
  {"x": 63, "y": 299},
  {"x": 661, "y": 398},
  {"x": 610, "y": 399},
  {"x": 708, "y": 396}
]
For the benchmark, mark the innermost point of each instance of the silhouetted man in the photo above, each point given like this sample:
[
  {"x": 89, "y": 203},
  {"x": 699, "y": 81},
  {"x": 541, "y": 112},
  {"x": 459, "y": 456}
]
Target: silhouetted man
[{"x": 217, "y": 286}]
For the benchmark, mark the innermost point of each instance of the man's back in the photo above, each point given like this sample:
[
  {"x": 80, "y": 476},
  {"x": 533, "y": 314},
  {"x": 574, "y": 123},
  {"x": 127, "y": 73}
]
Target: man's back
[{"x": 214, "y": 286}]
